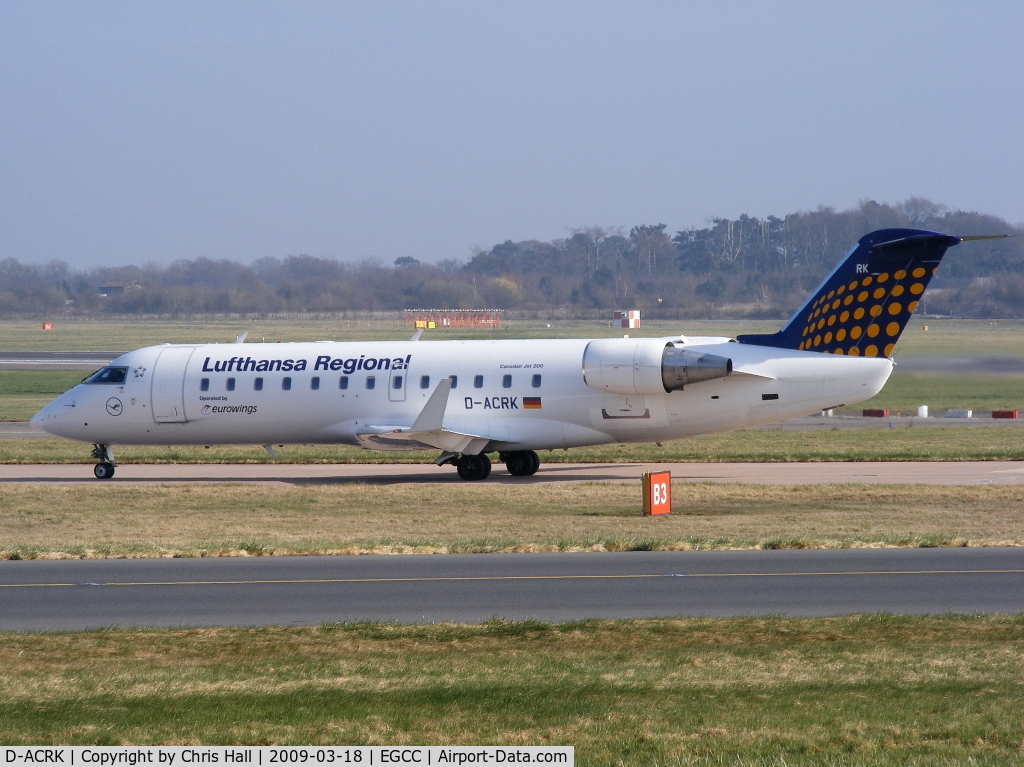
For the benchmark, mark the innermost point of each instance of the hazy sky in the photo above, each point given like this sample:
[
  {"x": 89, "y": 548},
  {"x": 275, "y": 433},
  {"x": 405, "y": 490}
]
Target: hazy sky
[{"x": 133, "y": 132}]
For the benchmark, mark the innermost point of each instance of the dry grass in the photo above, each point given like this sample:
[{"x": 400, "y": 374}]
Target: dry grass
[{"x": 237, "y": 519}]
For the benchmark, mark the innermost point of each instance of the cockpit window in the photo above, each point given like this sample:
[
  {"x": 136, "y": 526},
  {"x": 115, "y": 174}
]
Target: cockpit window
[{"x": 108, "y": 376}]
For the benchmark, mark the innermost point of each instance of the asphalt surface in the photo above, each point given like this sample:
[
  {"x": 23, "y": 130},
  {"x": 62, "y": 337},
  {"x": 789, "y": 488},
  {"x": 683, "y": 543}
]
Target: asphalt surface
[
  {"x": 469, "y": 588},
  {"x": 920, "y": 472}
]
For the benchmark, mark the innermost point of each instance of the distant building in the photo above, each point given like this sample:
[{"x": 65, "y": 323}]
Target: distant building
[
  {"x": 454, "y": 318},
  {"x": 627, "y": 319},
  {"x": 116, "y": 288}
]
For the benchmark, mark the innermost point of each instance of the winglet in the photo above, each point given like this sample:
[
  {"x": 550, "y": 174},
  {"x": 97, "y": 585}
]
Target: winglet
[
  {"x": 241, "y": 339},
  {"x": 416, "y": 335},
  {"x": 432, "y": 414}
]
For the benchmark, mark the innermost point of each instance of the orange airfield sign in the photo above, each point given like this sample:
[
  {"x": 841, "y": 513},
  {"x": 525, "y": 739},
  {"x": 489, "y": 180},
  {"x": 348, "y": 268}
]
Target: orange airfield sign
[{"x": 657, "y": 493}]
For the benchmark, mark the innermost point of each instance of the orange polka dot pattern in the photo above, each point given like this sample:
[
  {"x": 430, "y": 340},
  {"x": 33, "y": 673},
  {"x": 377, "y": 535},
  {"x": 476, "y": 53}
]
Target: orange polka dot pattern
[
  {"x": 865, "y": 303},
  {"x": 864, "y": 316}
]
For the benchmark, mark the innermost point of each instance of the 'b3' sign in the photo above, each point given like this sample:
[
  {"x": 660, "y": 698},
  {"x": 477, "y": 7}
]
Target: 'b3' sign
[{"x": 657, "y": 493}]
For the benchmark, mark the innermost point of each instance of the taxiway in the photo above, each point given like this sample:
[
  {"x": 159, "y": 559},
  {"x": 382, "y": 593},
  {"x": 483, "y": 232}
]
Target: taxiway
[{"x": 469, "y": 588}]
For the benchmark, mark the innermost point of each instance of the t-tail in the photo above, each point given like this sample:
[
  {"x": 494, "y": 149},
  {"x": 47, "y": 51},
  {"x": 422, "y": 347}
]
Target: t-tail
[{"x": 862, "y": 307}]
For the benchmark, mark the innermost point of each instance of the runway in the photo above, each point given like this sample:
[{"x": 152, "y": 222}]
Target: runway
[
  {"x": 469, "y": 588},
  {"x": 31, "y": 360},
  {"x": 918, "y": 472}
]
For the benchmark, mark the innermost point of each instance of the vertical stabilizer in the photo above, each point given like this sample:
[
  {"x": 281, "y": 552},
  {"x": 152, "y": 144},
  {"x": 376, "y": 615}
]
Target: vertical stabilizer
[{"x": 862, "y": 307}]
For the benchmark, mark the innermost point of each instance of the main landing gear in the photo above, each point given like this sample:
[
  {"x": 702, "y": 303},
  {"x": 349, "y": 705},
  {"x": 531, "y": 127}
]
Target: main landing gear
[
  {"x": 105, "y": 468},
  {"x": 520, "y": 463},
  {"x": 473, "y": 467}
]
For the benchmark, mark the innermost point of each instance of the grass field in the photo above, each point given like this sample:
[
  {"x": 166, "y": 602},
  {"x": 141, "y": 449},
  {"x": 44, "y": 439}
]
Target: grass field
[
  {"x": 24, "y": 392},
  {"x": 102, "y": 335},
  {"x": 74, "y": 520},
  {"x": 943, "y": 337},
  {"x": 940, "y": 392},
  {"x": 854, "y": 691}
]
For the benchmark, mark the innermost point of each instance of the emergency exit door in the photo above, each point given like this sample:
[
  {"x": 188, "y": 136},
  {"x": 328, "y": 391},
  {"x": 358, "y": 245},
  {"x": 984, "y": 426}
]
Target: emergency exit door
[
  {"x": 168, "y": 392},
  {"x": 397, "y": 383}
]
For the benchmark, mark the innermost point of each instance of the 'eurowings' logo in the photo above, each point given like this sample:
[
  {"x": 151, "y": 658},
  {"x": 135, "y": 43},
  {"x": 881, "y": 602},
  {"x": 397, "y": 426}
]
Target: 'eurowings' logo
[{"x": 243, "y": 409}]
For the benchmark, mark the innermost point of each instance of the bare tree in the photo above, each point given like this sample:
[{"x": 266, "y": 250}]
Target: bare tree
[{"x": 919, "y": 211}]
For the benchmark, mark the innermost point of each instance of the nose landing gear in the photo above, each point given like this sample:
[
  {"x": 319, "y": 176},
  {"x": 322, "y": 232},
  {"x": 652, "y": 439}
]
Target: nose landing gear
[{"x": 105, "y": 468}]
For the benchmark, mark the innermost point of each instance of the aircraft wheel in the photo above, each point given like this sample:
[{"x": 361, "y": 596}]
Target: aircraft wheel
[
  {"x": 474, "y": 467},
  {"x": 103, "y": 470},
  {"x": 535, "y": 460},
  {"x": 522, "y": 463}
]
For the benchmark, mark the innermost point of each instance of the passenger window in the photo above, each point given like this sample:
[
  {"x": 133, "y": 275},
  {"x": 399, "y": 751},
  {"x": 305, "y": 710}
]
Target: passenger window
[
  {"x": 314, "y": 383},
  {"x": 424, "y": 382},
  {"x": 396, "y": 382},
  {"x": 535, "y": 383},
  {"x": 343, "y": 382},
  {"x": 230, "y": 384},
  {"x": 257, "y": 384},
  {"x": 455, "y": 381},
  {"x": 204, "y": 384},
  {"x": 478, "y": 382},
  {"x": 506, "y": 381},
  {"x": 370, "y": 382},
  {"x": 286, "y": 383}
]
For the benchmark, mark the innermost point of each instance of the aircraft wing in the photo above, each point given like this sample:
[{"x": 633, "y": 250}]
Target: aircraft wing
[{"x": 427, "y": 430}]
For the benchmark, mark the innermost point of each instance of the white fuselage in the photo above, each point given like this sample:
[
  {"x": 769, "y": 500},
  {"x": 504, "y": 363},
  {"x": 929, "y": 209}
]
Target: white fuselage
[{"x": 512, "y": 395}]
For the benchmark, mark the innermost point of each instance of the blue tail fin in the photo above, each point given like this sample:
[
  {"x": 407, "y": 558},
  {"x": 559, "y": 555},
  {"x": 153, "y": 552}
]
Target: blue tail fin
[{"x": 863, "y": 305}]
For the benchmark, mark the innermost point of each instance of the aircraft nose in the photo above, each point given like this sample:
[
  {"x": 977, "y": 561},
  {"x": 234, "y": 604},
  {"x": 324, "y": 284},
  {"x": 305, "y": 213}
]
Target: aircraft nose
[
  {"x": 43, "y": 417},
  {"x": 49, "y": 418}
]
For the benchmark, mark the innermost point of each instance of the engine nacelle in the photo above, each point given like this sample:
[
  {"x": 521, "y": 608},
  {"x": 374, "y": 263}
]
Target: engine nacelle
[{"x": 647, "y": 366}]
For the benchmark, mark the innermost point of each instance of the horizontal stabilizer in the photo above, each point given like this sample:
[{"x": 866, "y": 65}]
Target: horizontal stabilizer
[{"x": 977, "y": 237}]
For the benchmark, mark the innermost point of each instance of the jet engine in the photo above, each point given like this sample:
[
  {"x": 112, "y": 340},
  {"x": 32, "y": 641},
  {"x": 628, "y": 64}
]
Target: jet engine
[{"x": 647, "y": 366}]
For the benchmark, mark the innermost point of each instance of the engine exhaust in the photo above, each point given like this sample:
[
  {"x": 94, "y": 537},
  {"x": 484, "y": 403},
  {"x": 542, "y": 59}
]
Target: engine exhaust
[{"x": 680, "y": 367}]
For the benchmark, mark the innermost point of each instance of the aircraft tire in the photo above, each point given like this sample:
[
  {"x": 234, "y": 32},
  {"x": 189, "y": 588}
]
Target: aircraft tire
[
  {"x": 473, "y": 467},
  {"x": 103, "y": 470},
  {"x": 522, "y": 463},
  {"x": 535, "y": 460}
]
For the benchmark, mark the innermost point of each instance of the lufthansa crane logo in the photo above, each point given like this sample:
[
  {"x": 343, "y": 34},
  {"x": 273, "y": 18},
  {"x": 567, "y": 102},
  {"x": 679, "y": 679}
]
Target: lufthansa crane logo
[{"x": 114, "y": 406}]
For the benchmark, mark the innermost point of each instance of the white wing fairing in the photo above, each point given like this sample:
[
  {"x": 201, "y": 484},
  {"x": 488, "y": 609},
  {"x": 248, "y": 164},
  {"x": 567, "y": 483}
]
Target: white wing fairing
[{"x": 470, "y": 398}]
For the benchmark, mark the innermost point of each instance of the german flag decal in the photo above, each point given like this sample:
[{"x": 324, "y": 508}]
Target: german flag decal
[{"x": 531, "y": 403}]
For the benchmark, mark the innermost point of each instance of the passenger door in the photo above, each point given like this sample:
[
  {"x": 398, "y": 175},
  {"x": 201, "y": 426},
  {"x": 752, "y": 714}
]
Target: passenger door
[{"x": 168, "y": 392}]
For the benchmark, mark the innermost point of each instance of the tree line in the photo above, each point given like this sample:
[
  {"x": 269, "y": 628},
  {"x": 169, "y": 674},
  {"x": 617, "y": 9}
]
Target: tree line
[{"x": 747, "y": 267}]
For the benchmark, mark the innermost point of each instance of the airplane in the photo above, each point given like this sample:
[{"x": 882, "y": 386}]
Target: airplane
[{"x": 513, "y": 397}]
